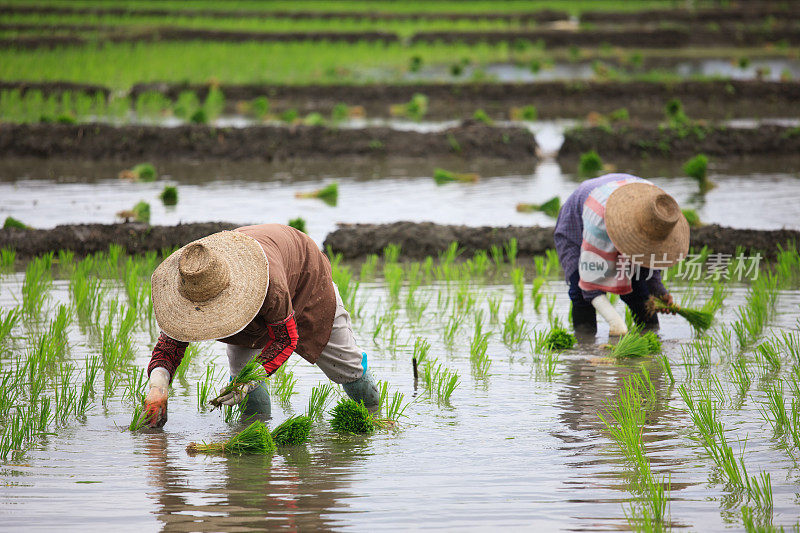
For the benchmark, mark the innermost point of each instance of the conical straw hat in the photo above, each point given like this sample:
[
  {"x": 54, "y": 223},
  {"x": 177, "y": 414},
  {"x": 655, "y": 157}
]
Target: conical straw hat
[
  {"x": 211, "y": 288},
  {"x": 647, "y": 225}
]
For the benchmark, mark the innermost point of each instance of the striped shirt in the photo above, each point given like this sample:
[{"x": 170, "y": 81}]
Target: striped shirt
[{"x": 570, "y": 233}]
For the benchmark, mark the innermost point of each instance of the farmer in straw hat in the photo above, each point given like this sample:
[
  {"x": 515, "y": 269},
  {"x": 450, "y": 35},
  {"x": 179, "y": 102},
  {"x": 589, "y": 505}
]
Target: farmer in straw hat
[
  {"x": 614, "y": 234},
  {"x": 266, "y": 291}
]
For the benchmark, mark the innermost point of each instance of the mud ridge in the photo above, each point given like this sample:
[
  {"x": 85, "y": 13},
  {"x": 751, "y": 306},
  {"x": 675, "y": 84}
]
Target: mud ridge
[
  {"x": 419, "y": 240},
  {"x": 269, "y": 143},
  {"x": 641, "y": 141}
]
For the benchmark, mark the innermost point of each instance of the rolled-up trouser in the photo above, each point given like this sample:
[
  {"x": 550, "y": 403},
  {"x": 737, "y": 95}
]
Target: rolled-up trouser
[
  {"x": 340, "y": 360},
  {"x": 584, "y": 317}
]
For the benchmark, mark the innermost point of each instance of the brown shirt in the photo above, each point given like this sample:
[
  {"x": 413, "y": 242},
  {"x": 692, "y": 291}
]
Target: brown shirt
[{"x": 299, "y": 282}]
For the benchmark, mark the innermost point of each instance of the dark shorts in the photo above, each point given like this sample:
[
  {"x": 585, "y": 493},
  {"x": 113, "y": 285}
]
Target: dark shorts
[{"x": 584, "y": 316}]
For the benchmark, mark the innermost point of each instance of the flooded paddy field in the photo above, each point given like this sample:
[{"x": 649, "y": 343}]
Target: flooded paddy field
[
  {"x": 519, "y": 443},
  {"x": 46, "y": 194}
]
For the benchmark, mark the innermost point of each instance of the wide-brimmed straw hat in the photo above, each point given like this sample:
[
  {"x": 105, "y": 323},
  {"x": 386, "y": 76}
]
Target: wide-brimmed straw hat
[
  {"x": 647, "y": 225},
  {"x": 211, "y": 288}
]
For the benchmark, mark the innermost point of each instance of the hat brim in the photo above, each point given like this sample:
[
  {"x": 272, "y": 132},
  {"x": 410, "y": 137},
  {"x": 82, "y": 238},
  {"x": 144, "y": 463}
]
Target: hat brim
[
  {"x": 633, "y": 241},
  {"x": 228, "y": 312}
]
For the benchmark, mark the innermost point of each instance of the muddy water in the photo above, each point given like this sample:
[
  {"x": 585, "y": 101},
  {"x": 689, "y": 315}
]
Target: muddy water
[
  {"x": 517, "y": 449},
  {"x": 43, "y": 195}
]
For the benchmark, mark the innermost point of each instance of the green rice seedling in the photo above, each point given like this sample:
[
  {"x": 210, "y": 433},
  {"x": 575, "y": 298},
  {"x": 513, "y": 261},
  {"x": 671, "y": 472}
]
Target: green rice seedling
[
  {"x": 293, "y": 431},
  {"x": 139, "y": 213},
  {"x": 494, "y": 308},
  {"x": 214, "y": 104},
  {"x": 13, "y": 223},
  {"x": 590, "y": 164},
  {"x": 204, "y": 387},
  {"x": 559, "y": 339},
  {"x": 740, "y": 376},
  {"x": 497, "y": 256},
  {"x": 479, "y": 263},
  {"x": 298, "y": 223},
  {"x": 318, "y": 400},
  {"x": 624, "y": 419},
  {"x": 774, "y": 410},
  {"x": 393, "y": 275},
  {"x": 348, "y": 287},
  {"x": 481, "y": 116},
  {"x": 36, "y": 284},
  {"x": 391, "y": 253},
  {"x": 314, "y": 119},
  {"x": 7, "y": 259},
  {"x": 667, "y": 367},
  {"x": 515, "y": 329},
  {"x": 442, "y": 176},
  {"x": 328, "y": 194},
  {"x": 446, "y": 384},
  {"x": 350, "y": 416},
  {"x": 369, "y": 267},
  {"x": 451, "y": 329},
  {"x": 631, "y": 345},
  {"x": 700, "y": 320},
  {"x": 692, "y": 218},
  {"x": 421, "y": 349},
  {"x": 255, "y": 439},
  {"x": 8, "y": 321},
  {"x": 259, "y": 107},
  {"x": 527, "y": 113},
  {"x": 653, "y": 341},
  {"x": 87, "y": 292},
  {"x": 393, "y": 409},
  {"x": 66, "y": 396},
  {"x": 138, "y": 418},
  {"x": 252, "y": 371},
  {"x": 768, "y": 356},
  {"x": 790, "y": 344},
  {"x": 511, "y": 248},
  {"x": 415, "y": 109},
  {"x": 284, "y": 382},
  {"x": 697, "y": 169},
  {"x": 550, "y": 208},
  {"x": 340, "y": 113},
  {"x": 518, "y": 282},
  {"x": 478, "y": 348},
  {"x": 169, "y": 196},
  {"x": 141, "y": 172}
]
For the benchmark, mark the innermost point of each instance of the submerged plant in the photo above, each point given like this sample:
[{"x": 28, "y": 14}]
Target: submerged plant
[
  {"x": 252, "y": 371},
  {"x": 350, "y": 416},
  {"x": 550, "y": 208},
  {"x": 442, "y": 176},
  {"x": 255, "y": 439},
  {"x": 293, "y": 431},
  {"x": 700, "y": 320},
  {"x": 328, "y": 194}
]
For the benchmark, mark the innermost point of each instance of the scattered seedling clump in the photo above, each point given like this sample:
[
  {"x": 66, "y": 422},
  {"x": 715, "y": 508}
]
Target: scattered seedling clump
[
  {"x": 590, "y": 164},
  {"x": 692, "y": 218},
  {"x": 141, "y": 172},
  {"x": 13, "y": 223},
  {"x": 442, "y": 176},
  {"x": 350, "y": 416},
  {"x": 299, "y": 224},
  {"x": 169, "y": 196},
  {"x": 559, "y": 339},
  {"x": 292, "y": 432},
  {"x": 550, "y": 208},
  {"x": 697, "y": 169},
  {"x": 328, "y": 194},
  {"x": 255, "y": 439}
]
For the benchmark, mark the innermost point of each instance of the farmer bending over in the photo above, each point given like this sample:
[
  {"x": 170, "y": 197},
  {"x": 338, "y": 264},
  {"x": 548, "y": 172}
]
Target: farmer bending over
[
  {"x": 265, "y": 291},
  {"x": 614, "y": 234}
]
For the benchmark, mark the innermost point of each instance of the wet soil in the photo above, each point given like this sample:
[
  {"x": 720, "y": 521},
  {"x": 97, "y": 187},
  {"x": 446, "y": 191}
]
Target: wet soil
[
  {"x": 545, "y": 15},
  {"x": 644, "y": 141},
  {"x": 554, "y": 99},
  {"x": 625, "y": 38},
  {"x": 268, "y": 143},
  {"x": 745, "y": 12},
  {"x": 355, "y": 241},
  {"x": 622, "y": 37},
  {"x": 561, "y": 99},
  {"x": 419, "y": 240}
]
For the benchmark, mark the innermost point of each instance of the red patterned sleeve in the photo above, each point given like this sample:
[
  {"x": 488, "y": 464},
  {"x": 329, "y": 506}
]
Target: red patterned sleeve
[
  {"x": 168, "y": 354},
  {"x": 282, "y": 342}
]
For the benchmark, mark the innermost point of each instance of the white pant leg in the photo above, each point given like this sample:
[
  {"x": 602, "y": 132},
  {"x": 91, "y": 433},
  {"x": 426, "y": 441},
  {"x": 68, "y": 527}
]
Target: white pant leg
[
  {"x": 238, "y": 356},
  {"x": 340, "y": 360}
]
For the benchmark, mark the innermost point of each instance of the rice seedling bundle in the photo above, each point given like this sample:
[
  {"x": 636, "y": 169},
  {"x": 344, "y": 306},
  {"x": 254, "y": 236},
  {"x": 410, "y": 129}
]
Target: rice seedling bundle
[
  {"x": 318, "y": 400},
  {"x": 252, "y": 371},
  {"x": 13, "y": 223},
  {"x": 632, "y": 344},
  {"x": 590, "y": 164},
  {"x": 298, "y": 223},
  {"x": 141, "y": 172},
  {"x": 550, "y": 208},
  {"x": 442, "y": 176},
  {"x": 255, "y": 439},
  {"x": 559, "y": 339},
  {"x": 169, "y": 196},
  {"x": 700, "y": 320},
  {"x": 350, "y": 416},
  {"x": 292, "y": 432},
  {"x": 328, "y": 194}
]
